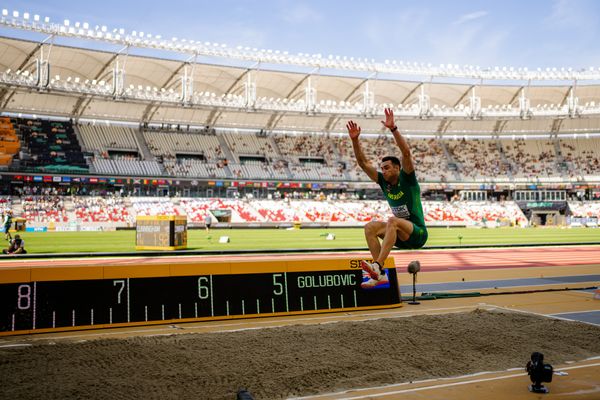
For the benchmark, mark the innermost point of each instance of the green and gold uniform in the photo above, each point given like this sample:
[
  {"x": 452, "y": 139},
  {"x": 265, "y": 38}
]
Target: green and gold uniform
[{"x": 404, "y": 199}]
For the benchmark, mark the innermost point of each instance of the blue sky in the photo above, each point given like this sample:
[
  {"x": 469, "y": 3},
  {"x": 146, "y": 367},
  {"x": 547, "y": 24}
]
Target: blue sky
[{"x": 536, "y": 33}]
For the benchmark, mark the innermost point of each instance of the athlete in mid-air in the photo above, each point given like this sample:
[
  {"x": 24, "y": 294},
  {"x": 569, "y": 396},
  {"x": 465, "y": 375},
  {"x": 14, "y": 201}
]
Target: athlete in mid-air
[{"x": 406, "y": 229}]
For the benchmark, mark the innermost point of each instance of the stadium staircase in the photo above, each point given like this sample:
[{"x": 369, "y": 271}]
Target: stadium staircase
[
  {"x": 563, "y": 166},
  {"x": 143, "y": 147},
  {"x": 278, "y": 150},
  {"x": 228, "y": 155},
  {"x": 145, "y": 151},
  {"x": 505, "y": 160},
  {"x": 450, "y": 160},
  {"x": 88, "y": 161}
]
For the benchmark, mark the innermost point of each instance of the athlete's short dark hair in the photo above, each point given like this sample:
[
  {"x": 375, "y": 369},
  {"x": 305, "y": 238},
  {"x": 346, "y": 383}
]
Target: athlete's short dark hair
[{"x": 393, "y": 159}]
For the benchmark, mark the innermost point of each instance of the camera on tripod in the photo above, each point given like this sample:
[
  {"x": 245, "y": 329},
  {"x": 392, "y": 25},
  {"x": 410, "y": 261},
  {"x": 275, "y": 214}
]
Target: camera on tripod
[{"x": 539, "y": 373}]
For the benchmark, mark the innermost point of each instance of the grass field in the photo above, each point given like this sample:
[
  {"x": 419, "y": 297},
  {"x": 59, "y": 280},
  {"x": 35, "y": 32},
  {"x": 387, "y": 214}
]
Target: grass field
[{"x": 124, "y": 241}]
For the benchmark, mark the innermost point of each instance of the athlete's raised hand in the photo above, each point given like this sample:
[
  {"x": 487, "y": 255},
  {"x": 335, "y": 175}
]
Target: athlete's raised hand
[
  {"x": 389, "y": 119},
  {"x": 353, "y": 129}
]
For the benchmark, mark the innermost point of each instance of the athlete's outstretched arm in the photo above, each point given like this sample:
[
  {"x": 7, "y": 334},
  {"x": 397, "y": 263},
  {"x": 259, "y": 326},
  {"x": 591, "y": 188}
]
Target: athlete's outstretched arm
[
  {"x": 354, "y": 132},
  {"x": 407, "y": 161}
]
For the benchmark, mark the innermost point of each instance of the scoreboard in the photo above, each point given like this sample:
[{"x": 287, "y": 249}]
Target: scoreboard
[
  {"x": 53, "y": 298},
  {"x": 162, "y": 232}
]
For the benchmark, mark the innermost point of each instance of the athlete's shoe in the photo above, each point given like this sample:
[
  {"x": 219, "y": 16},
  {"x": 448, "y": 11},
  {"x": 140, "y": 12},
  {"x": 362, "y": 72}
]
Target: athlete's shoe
[
  {"x": 371, "y": 283},
  {"x": 373, "y": 269}
]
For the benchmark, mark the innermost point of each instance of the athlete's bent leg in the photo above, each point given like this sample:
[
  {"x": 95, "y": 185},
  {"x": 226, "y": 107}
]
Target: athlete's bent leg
[
  {"x": 396, "y": 228},
  {"x": 373, "y": 231}
]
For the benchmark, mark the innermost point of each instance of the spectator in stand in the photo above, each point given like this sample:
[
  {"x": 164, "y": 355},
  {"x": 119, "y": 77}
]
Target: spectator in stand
[{"x": 17, "y": 246}]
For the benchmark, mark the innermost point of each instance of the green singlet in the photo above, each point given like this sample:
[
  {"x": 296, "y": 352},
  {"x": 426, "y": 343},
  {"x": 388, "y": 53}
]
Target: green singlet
[{"x": 404, "y": 199}]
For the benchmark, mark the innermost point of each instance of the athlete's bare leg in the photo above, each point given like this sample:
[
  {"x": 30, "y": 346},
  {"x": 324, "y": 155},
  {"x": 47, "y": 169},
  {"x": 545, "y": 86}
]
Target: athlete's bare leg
[
  {"x": 390, "y": 231},
  {"x": 396, "y": 228}
]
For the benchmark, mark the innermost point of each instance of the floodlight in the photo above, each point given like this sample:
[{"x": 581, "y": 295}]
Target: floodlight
[
  {"x": 86, "y": 25},
  {"x": 26, "y": 15},
  {"x": 104, "y": 28},
  {"x": 4, "y": 12},
  {"x": 15, "y": 14},
  {"x": 66, "y": 22}
]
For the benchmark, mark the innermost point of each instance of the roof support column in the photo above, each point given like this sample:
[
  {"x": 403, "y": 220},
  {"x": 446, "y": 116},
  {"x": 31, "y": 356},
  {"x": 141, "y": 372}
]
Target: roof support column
[{"x": 310, "y": 97}]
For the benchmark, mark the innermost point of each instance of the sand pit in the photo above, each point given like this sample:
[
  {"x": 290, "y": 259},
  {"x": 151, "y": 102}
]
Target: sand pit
[{"x": 290, "y": 361}]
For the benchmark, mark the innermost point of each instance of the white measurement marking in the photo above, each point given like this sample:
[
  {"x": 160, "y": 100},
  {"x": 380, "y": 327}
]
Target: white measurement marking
[
  {"x": 179, "y": 310},
  {"x": 243, "y": 308},
  {"x": 287, "y": 303},
  {"x": 146, "y": 313},
  {"x": 110, "y": 315},
  {"x": 92, "y": 315},
  {"x": 73, "y": 317},
  {"x": 128, "y": 315},
  {"x": 34, "y": 298},
  {"x": 257, "y": 306},
  {"x": 272, "y": 305},
  {"x": 342, "y": 299},
  {"x": 54, "y": 319},
  {"x": 227, "y": 305},
  {"x": 196, "y": 310},
  {"x": 315, "y": 300},
  {"x": 355, "y": 302},
  {"x": 328, "y": 302},
  {"x": 13, "y": 322},
  {"x": 301, "y": 304},
  {"x": 212, "y": 307},
  {"x": 163, "y": 311}
]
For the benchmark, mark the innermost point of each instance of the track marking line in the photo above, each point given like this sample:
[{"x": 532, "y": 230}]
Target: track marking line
[{"x": 431, "y": 387}]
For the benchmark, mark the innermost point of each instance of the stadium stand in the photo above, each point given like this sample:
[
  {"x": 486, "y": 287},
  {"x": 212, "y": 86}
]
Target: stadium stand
[
  {"x": 250, "y": 144},
  {"x": 95, "y": 209},
  {"x": 171, "y": 145},
  {"x": 152, "y": 206},
  {"x": 479, "y": 160},
  {"x": 581, "y": 156},
  {"x": 585, "y": 209},
  {"x": 127, "y": 166},
  {"x": 532, "y": 158},
  {"x": 229, "y": 154},
  {"x": 101, "y": 138},
  {"x": 44, "y": 209},
  {"x": 9, "y": 142},
  {"x": 50, "y": 146}
]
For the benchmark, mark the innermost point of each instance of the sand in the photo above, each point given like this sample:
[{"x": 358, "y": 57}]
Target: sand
[{"x": 296, "y": 360}]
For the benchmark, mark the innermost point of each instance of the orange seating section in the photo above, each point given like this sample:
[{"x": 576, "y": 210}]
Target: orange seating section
[{"x": 9, "y": 142}]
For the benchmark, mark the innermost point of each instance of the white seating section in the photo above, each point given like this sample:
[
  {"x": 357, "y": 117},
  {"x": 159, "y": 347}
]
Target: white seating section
[
  {"x": 127, "y": 167},
  {"x": 168, "y": 144},
  {"x": 100, "y": 138},
  {"x": 250, "y": 144}
]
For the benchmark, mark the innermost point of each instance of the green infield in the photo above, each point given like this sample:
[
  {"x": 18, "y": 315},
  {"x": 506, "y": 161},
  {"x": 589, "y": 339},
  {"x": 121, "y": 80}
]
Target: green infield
[{"x": 270, "y": 239}]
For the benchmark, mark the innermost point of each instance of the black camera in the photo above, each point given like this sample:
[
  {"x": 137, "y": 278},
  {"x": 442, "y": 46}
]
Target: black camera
[{"x": 538, "y": 373}]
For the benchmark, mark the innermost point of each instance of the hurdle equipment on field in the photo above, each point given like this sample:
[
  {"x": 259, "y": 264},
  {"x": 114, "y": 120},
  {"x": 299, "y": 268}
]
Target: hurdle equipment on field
[{"x": 112, "y": 293}]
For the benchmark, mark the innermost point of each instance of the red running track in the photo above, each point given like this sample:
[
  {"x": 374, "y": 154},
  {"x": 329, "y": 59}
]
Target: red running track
[
  {"x": 448, "y": 260},
  {"x": 431, "y": 260}
]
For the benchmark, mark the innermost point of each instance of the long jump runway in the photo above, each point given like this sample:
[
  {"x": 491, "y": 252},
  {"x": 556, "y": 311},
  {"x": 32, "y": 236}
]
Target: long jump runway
[{"x": 503, "y": 276}]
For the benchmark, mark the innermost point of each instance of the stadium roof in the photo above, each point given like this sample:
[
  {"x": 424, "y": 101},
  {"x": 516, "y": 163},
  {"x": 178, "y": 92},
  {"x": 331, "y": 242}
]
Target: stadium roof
[{"x": 48, "y": 78}]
